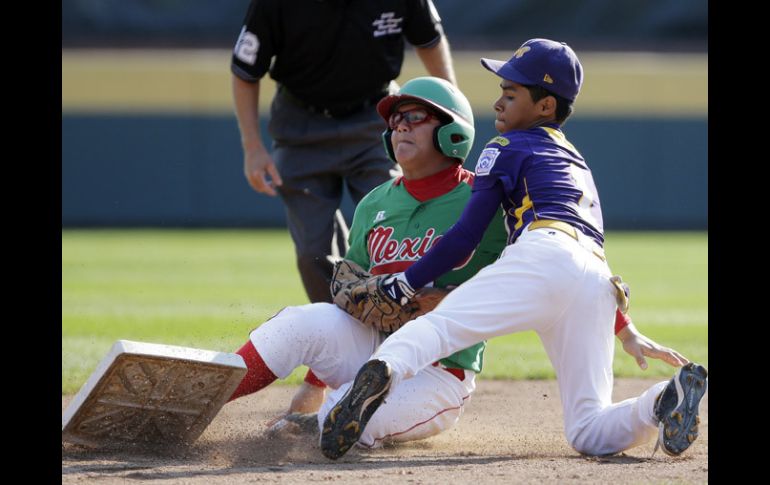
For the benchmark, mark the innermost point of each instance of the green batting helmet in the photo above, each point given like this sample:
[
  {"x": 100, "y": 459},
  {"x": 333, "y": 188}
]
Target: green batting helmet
[{"x": 453, "y": 138}]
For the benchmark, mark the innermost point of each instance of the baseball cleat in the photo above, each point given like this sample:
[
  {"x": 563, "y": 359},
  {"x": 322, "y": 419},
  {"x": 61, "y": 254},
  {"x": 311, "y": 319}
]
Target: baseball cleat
[
  {"x": 346, "y": 421},
  {"x": 677, "y": 409}
]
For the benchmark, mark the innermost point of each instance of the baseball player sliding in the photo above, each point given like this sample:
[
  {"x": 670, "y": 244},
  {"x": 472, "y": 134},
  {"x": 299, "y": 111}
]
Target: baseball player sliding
[
  {"x": 430, "y": 132},
  {"x": 552, "y": 278},
  {"x": 392, "y": 227}
]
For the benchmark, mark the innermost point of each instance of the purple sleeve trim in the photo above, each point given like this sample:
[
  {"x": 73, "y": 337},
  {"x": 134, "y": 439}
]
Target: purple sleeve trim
[{"x": 460, "y": 240}]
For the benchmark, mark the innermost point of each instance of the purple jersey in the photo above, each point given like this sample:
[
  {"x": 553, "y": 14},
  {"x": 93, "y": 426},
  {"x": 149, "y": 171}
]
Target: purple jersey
[{"x": 544, "y": 177}]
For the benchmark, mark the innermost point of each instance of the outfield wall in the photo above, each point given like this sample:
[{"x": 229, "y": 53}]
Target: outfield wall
[{"x": 144, "y": 170}]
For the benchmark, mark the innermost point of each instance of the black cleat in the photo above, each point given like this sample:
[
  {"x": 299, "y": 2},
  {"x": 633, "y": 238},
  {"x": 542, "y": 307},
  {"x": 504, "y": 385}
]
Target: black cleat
[
  {"x": 347, "y": 420},
  {"x": 677, "y": 409}
]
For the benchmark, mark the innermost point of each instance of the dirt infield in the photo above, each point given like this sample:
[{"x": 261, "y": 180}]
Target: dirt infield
[{"x": 511, "y": 433}]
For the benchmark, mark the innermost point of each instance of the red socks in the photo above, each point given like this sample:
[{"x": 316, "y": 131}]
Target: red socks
[
  {"x": 258, "y": 375},
  {"x": 313, "y": 380}
]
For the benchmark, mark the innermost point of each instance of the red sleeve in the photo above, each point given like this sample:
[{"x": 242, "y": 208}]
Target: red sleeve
[
  {"x": 311, "y": 379},
  {"x": 621, "y": 321}
]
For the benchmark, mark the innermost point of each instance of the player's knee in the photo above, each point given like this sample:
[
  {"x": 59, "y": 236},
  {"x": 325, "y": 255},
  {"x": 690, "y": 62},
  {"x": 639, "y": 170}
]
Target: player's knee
[
  {"x": 583, "y": 441},
  {"x": 294, "y": 323},
  {"x": 581, "y": 446}
]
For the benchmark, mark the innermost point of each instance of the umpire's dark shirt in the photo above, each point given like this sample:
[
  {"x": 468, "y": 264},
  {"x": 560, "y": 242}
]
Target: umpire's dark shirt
[{"x": 331, "y": 52}]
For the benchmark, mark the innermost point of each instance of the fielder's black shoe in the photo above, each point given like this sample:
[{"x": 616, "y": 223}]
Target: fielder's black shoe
[
  {"x": 677, "y": 409},
  {"x": 347, "y": 420}
]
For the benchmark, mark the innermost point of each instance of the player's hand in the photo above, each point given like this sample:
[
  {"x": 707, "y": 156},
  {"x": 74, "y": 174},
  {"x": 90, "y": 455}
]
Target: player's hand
[
  {"x": 383, "y": 301},
  {"x": 308, "y": 399},
  {"x": 258, "y": 165},
  {"x": 397, "y": 288},
  {"x": 638, "y": 346}
]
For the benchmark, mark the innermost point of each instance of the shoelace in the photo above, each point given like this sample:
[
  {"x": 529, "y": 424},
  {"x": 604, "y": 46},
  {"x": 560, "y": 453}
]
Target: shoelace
[{"x": 657, "y": 445}]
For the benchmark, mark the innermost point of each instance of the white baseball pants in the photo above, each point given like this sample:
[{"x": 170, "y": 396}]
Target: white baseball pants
[
  {"x": 335, "y": 345},
  {"x": 553, "y": 284}
]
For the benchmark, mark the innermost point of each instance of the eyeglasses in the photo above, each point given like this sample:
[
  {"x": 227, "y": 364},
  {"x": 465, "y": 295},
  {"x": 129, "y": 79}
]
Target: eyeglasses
[{"x": 412, "y": 117}]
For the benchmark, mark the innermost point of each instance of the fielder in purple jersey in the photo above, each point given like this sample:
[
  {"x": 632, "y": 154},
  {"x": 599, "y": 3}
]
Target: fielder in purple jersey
[
  {"x": 552, "y": 277},
  {"x": 557, "y": 186}
]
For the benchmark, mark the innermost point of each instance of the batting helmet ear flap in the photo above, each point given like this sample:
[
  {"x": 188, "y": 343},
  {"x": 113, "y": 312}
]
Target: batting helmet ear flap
[
  {"x": 389, "y": 144},
  {"x": 453, "y": 141},
  {"x": 436, "y": 143},
  {"x": 437, "y": 136}
]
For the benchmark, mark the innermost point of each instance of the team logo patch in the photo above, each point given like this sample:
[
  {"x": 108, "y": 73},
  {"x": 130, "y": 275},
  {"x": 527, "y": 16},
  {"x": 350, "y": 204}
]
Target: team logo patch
[
  {"x": 387, "y": 24},
  {"x": 486, "y": 160},
  {"x": 521, "y": 51},
  {"x": 500, "y": 140}
]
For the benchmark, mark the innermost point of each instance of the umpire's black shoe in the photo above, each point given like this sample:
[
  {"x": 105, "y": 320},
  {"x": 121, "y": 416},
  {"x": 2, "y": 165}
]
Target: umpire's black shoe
[
  {"x": 347, "y": 420},
  {"x": 677, "y": 409}
]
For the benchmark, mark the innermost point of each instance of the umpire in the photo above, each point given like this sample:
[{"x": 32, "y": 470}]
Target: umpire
[{"x": 332, "y": 60}]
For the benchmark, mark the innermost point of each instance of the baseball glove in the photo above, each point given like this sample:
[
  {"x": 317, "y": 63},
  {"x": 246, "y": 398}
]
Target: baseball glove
[
  {"x": 350, "y": 288},
  {"x": 622, "y": 293},
  {"x": 346, "y": 275},
  {"x": 378, "y": 308}
]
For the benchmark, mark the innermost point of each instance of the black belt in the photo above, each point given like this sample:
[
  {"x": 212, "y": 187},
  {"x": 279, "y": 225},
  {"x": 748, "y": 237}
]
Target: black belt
[{"x": 336, "y": 111}]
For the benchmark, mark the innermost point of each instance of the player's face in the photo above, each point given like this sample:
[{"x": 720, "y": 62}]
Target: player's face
[
  {"x": 412, "y": 138},
  {"x": 515, "y": 109}
]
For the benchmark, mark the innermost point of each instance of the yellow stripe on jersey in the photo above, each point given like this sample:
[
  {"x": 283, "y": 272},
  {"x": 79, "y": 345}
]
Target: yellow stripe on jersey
[
  {"x": 500, "y": 140},
  {"x": 526, "y": 204},
  {"x": 559, "y": 138}
]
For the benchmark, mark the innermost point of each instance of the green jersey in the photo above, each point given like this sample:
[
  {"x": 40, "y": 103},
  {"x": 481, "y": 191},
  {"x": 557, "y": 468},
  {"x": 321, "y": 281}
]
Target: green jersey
[{"x": 391, "y": 230}]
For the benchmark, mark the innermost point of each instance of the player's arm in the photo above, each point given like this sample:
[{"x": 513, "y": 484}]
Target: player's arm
[
  {"x": 456, "y": 245},
  {"x": 460, "y": 240},
  {"x": 309, "y": 396},
  {"x": 639, "y": 346},
  {"x": 423, "y": 29},
  {"x": 438, "y": 60},
  {"x": 400, "y": 289},
  {"x": 252, "y": 55},
  {"x": 306, "y": 400},
  {"x": 257, "y": 162}
]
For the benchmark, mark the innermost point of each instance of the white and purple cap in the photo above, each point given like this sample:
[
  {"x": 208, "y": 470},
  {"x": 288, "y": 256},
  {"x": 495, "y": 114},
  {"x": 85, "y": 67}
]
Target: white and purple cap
[{"x": 546, "y": 63}]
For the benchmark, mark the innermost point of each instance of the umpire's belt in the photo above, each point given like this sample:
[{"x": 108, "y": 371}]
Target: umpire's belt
[
  {"x": 578, "y": 236},
  {"x": 335, "y": 111}
]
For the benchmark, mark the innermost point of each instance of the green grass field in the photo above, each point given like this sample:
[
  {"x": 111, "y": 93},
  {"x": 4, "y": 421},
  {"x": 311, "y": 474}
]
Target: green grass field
[{"x": 209, "y": 288}]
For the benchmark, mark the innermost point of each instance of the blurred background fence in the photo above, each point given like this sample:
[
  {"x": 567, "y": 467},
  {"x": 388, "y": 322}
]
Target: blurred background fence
[{"x": 149, "y": 137}]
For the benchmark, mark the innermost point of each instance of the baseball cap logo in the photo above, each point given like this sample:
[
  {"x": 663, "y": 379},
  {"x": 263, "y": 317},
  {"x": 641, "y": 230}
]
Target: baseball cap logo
[
  {"x": 521, "y": 51},
  {"x": 547, "y": 79}
]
